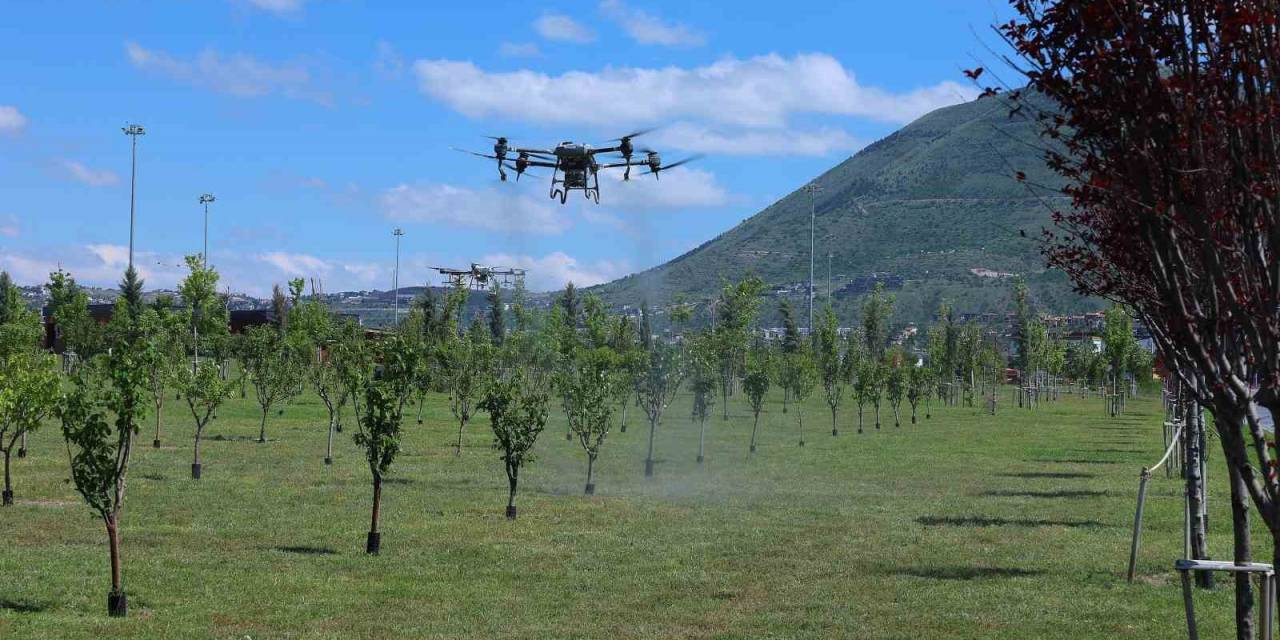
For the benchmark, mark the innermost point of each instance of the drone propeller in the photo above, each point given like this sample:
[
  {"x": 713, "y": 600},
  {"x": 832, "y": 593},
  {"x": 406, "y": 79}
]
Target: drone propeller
[
  {"x": 634, "y": 134},
  {"x": 655, "y": 168},
  {"x": 519, "y": 170},
  {"x": 481, "y": 155}
]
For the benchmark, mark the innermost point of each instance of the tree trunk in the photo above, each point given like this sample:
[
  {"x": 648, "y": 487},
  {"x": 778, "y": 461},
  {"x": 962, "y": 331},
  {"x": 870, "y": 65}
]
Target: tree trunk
[
  {"x": 420, "y": 403},
  {"x": 512, "y": 479},
  {"x": 859, "y": 418},
  {"x": 373, "y": 543},
  {"x": 877, "y": 407},
  {"x": 195, "y": 459},
  {"x": 8, "y": 480},
  {"x": 913, "y": 412},
  {"x": 754, "y": 427},
  {"x": 591, "y": 463},
  {"x": 1242, "y": 554},
  {"x": 117, "y": 606},
  {"x": 457, "y": 449},
  {"x": 702, "y": 439},
  {"x": 328, "y": 450},
  {"x": 834, "y": 430},
  {"x": 648, "y": 461},
  {"x": 625, "y": 405},
  {"x": 1195, "y": 492},
  {"x": 156, "y": 443},
  {"x": 928, "y": 408},
  {"x": 262, "y": 429},
  {"x": 800, "y": 419},
  {"x": 897, "y": 422}
]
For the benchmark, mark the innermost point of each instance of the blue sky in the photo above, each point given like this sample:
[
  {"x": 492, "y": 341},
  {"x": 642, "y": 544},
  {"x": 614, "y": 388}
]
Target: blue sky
[{"x": 320, "y": 125}]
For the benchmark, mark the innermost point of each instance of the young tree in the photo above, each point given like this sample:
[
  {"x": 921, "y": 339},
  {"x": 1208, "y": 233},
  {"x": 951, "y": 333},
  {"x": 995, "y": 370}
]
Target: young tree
[
  {"x": 100, "y": 416},
  {"x": 862, "y": 369},
  {"x": 379, "y": 436},
  {"x": 918, "y": 385},
  {"x": 465, "y": 360},
  {"x": 497, "y": 328},
  {"x": 802, "y": 376},
  {"x": 28, "y": 393},
  {"x": 590, "y": 385},
  {"x": 273, "y": 368},
  {"x": 701, "y": 363},
  {"x": 790, "y": 343},
  {"x": 829, "y": 362},
  {"x": 161, "y": 354},
  {"x": 517, "y": 413},
  {"x": 69, "y": 308},
  {"x": 199, "y": 291},
  {"x": 205, "y": 391},
  {"x": 895, "y": 385},
  {"x": 877, "y": 312},
  {"x": 759, "y": 374},
  {"x": 656, "y": 385},
  {"x": 877, "y": 372},
  {"x": 736, "y": 311}
]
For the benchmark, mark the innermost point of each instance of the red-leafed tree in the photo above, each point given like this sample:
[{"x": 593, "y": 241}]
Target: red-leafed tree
[{"x": 1165, "y": 121}]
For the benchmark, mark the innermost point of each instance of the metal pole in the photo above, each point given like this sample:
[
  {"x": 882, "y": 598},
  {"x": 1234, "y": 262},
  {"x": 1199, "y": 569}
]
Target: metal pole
[
  {"x": 396, "y": 278},
  {"x": 1189, "y": 605},
  {"x": 1137, "y": 522},
  {"x": 133, "y": 131},
  {"x": 205, "y": 200}
]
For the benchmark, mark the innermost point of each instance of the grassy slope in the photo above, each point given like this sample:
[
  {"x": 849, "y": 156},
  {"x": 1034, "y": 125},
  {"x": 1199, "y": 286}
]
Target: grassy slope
[
  {"x": 929, "y": 202},
  {"x": 856, "y": 536}
]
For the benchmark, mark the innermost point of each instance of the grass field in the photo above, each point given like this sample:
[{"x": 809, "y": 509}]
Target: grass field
[{"x": 963, "y": 526}]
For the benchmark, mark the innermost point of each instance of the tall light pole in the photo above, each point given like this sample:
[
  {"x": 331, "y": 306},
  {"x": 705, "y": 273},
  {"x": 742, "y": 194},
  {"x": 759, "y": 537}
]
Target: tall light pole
[
  {"x": 205, "y": 200},
  {"x": 828, "y": 276},
  {"x": 812, "y": 189},
  {"x": 133, "y": 131},
  {"x": 396, "y": 277}
]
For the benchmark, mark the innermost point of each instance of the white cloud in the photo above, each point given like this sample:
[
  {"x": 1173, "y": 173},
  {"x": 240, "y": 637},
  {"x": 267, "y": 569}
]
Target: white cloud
[
  {"x": 389, "y": 63},
  {"x": 645, "y": 28},
  {"x": 9, "y": 226},
  {"x": 677, "y": 188},
  {"x": 519, "y": 50},
  {"x": 235, "y": 74},
  {"x": 91, "y": 177},
  {"x": 554, "y": 270},
  {"x": 278, "y": 7},
  {"x": 364, "y": 272},
  {"x": 295, "y": 264},
  {"x": 562, "y": 28},
  {"x": 11, "y": 120},
  {"x": 763, "y": 91},
  {"x": 692, "y": 137},
  {"x": 490, "y": 209}
]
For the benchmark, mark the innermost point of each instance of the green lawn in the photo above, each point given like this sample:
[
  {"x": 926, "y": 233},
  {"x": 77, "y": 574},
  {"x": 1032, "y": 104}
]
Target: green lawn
[{"x": 963, "y": 526}]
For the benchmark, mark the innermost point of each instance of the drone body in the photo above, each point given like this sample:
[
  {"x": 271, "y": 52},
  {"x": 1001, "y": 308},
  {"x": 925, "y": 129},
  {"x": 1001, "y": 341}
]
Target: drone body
[
  {"x": 575, "y": 166},
  {"x": 480, "y": 276}
]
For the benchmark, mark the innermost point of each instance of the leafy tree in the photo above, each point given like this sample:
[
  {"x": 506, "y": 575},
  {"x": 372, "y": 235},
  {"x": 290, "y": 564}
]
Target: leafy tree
[
  {"x": 877, "y": 311},
  {"x": 273, "y": 368},
  {"x": 590, "y": 386},
  {"x": 570, "y": 304},
  {"x": 866, "y": 384},
  {"x": 701, "y": 364},
  {"x": 829, "y": 362},
  {"x": 379, "y": 436},
  {"x": 756, "y": 382},
  {"x": 1118, "y": 345},
  {"x": 656, "y": 384},
  {"x": 199, "y": 292},
  {"x": 69, "y": 308},
  {"x": 205, "y": 391},
  {"x": 736, "y": 310},
  {"x": 465, "y": 361},
  {"x": 802, "y": 377},
  {"x": 517, "y": 413},
  {"x": 28, "y": 393},
  {"x": 497, "y": 328},
  {"x": 895, "y": 385},
  {"x": 918, "y": 386},
  {"x": 100, "y": 416},
  {"x": 161, "y": 355}
]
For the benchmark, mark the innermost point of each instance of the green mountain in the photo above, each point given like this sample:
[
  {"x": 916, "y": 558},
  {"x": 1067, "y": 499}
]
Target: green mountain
[{"x": 925, "y": 210}]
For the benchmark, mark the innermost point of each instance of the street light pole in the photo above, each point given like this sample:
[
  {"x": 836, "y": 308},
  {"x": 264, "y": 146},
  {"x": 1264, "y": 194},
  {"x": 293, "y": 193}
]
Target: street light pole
[
  {"x": 133, "y": 131},
  {"x": 205, "y": 200},
  {"x": 812, "y": 189},
  {"x": 396, "y": 277}
]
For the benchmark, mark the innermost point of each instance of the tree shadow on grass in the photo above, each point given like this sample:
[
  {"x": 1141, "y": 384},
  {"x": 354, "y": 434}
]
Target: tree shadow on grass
[
  {"x": 224, "y": 438},
  {"x": 1060, "y": 493},
  {"x": 1124, "y": 451},
  {"x": 1077, "y": 461},
  {"x": 306, "y": 550},
  {"x": 22, "y": 606},
  {"x": 966, "y": 573},
  {"x": 398, "y": 480},
  {"x": 1048, "y": 474},
  {"x": 153, "y": 476},
  {"x": 983, "y": 521}
]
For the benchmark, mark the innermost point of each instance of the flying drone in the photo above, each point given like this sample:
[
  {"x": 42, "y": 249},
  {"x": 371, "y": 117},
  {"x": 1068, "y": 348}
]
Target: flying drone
[
  {"x": 479, "y": 276},
  {"x": 575, "y": 166}
]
